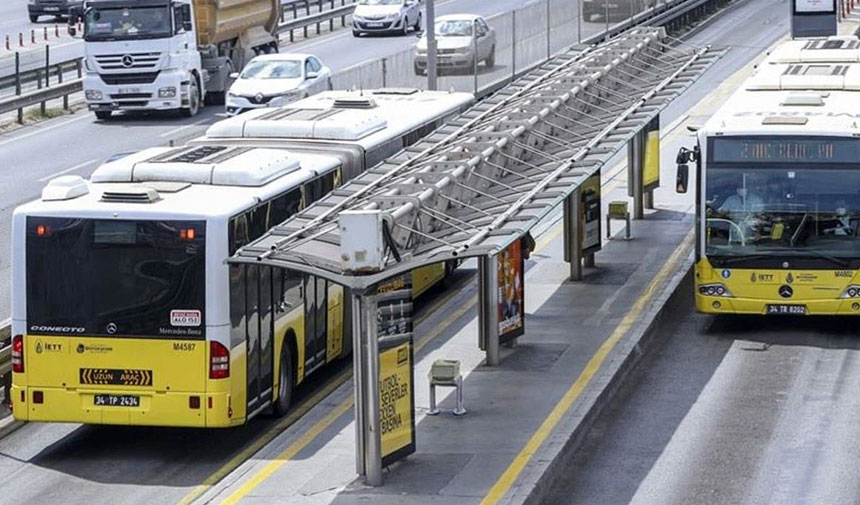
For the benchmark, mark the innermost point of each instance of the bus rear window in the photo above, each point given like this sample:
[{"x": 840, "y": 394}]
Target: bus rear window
[{"x": 116, "y": 277}]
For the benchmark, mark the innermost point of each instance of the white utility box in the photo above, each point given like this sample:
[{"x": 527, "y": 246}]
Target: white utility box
[{"x": 362, "y": 247}]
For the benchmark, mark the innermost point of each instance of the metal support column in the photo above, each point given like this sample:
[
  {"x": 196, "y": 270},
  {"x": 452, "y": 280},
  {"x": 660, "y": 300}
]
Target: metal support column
[
  {"x": 431, "y": 44},
  {"x": 372, "y": 435},
  {"x": 573, "y": 235},
  {"x": 358, "y": 379},
  {"x": 488, "y": 308},
  {"x": 635, "y": 172},
  {"x": 649, "y": 199}
]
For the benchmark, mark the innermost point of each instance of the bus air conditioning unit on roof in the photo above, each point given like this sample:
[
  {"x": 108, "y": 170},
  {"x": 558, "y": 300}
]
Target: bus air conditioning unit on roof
[
  {"x": 65, "y": 187},
  {"x": 362, "y": 247},
  {"x": 136, "y": 193},
  {"x": 354, "y": 102}
]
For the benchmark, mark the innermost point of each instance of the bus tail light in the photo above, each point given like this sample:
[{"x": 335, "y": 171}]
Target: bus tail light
[
  {"x": 18, "y": 354},
  {"x": 219, "y": 361}
]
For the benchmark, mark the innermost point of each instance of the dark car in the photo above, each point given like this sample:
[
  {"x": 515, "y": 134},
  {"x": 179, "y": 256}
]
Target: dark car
[{"x": 36, "y": 8}]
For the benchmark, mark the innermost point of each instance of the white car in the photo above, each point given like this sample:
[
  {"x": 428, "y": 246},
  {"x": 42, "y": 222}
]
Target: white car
[
  {"x": 272, "y": 80},
  {"x": 457, "y": 45},
  {"x": 385, "y": 16}
]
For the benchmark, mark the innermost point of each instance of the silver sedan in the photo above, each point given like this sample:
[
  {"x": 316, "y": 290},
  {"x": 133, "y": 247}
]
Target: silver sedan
[{"x": 462, "y": 40}]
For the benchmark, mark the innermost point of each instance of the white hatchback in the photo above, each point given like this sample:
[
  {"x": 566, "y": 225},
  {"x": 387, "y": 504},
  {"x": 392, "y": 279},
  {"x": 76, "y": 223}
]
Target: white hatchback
[
  {"x": 272, "y": 80},
  {"x": 386, "y": 16}
]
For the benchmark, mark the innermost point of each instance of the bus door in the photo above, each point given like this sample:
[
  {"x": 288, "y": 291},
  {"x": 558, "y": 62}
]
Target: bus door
[
  {"x": 259, "y": 336},
  {"x": 316, "y": 315}
]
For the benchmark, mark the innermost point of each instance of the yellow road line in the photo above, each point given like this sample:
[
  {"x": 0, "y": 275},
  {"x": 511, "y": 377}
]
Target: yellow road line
[
  {"x": 276, "y": 430},
  {"x": 288, "y": 453},
  {"x": 329, "y": 419},
  {"x": 324, "y": 423},
  {"x": 510, "y": 475}
]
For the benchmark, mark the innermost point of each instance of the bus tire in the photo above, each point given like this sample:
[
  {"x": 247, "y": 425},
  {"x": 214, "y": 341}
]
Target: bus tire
[{"x": 285, "y": 384}]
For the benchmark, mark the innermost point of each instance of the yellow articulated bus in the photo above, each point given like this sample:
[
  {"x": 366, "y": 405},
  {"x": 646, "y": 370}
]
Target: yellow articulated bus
[
  {"x": 124, "y": 310},
  {"x": 778, "y": 188}
]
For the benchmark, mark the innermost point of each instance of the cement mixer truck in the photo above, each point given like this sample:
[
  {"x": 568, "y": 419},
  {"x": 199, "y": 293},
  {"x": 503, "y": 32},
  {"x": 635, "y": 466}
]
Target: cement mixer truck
[{"x": 145, "y": 55}]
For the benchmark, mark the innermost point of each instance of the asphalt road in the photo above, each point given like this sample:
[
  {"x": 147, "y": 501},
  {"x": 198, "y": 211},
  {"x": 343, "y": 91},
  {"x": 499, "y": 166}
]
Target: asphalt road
[
  {"x": 729, "y": 411},
  {"x": 77, "y": 144}
]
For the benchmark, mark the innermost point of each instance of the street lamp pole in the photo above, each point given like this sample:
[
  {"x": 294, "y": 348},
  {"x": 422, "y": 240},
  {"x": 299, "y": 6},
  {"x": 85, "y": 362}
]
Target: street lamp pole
[{"x": 431, "y": 45}]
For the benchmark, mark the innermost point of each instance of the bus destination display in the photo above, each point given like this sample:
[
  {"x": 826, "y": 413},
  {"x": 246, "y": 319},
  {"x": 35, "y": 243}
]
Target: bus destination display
[{"x": 784, "y": 150}]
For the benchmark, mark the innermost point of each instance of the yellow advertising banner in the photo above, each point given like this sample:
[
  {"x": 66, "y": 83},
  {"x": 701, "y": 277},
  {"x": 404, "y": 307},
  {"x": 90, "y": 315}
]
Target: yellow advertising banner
[
  {"x": 396, "y": 400},
  {"x": 651, "y": 168}
]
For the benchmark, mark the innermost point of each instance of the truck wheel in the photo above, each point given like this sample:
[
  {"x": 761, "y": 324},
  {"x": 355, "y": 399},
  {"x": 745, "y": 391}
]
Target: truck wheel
[
  {"x": 193, "y": 100},
  {"x": 34, "y": 18},
  {"x": 285, "y": 384},
  {"x": 103, "y": 115}
]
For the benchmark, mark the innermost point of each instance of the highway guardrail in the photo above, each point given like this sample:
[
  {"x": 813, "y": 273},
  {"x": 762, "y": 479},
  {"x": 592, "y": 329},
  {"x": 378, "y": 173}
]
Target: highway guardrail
[{"x": 41, "y": 77}]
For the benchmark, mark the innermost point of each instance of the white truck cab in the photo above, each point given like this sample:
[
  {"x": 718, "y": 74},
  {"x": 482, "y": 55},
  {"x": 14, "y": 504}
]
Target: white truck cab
[{"x": 169, "y": 54}]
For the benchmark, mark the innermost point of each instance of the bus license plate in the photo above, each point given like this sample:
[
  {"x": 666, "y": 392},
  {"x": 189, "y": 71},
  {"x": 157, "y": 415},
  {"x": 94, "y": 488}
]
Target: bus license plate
[
  {"x": 784, "y": 309},
  {"x": 116, "y": 401}
]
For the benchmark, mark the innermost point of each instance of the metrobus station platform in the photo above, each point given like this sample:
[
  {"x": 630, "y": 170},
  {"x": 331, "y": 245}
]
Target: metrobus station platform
[{"x": 526, "y": 415}]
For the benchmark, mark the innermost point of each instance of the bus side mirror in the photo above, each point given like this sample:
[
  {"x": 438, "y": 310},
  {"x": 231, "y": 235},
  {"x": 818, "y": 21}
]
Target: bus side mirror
[
  {"x": 75, "y": 15},
  {"x": 682, "y": 178}
]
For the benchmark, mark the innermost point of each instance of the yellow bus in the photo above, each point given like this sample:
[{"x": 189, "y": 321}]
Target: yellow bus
[
  {"x": 778, "y": 189},
  {"x": 124, "y": 310}
]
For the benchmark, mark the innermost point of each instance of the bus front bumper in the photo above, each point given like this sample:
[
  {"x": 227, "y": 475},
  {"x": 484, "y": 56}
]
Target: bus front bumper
[
  {"x": 731, "y": 305},
  {"x": 201, "y": 410}
]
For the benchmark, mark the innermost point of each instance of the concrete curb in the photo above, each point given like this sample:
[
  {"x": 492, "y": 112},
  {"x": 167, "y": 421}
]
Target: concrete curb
[
  {"x": 8, "y": 425},
  {"x": 546, "y": 468}
]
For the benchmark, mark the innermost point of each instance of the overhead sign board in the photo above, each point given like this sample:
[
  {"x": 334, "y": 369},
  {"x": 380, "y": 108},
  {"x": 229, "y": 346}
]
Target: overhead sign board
[{"x": 813, "y": 18}]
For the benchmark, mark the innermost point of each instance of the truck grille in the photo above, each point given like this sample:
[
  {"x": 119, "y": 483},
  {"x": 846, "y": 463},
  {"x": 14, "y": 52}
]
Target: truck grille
[
  {"x": 130, "y": 96},
  {"x": 128, "y": 61},
  {"x": 136, "y": 78}
]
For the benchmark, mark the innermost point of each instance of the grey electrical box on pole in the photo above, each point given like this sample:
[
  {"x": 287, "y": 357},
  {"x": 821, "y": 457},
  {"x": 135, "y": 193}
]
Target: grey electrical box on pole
[{"x": 813, "y": 18}]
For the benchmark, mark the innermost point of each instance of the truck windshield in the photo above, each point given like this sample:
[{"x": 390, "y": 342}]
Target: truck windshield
[
  {"x": 115, "y": 278},
  {"x": 127, "y": 23},
  {"x": 800, "y": 211}
]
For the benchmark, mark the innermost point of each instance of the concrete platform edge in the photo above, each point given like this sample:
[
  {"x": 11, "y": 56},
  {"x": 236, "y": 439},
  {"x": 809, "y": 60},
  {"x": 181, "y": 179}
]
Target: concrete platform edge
[{"x": 545, "y": 468}]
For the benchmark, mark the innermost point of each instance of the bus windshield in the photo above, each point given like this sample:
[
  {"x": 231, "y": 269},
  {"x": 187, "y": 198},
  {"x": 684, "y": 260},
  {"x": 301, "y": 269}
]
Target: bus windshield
[
  {"x": 127, "y": 23},
  {"x": 115, "y": 277},
  {"x": 797, "y": 210}
]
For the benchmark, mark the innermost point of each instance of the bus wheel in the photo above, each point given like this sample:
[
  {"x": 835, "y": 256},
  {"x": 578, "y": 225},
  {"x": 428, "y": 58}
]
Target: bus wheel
[{"x": 285, "y": 384}]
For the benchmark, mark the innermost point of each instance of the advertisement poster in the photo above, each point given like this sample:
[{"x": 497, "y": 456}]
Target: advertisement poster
[
  {"x": 651, "y": 168},
  {"x": 510, "y": 267},
  {"x": 396, "y": 390},
  {"x": 396, "y": 399},
  {"x": 590, "y": 217}
]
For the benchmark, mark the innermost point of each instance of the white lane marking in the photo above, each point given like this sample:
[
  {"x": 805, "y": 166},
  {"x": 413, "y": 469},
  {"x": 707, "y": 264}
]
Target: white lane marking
[
  {"x": 72, "y": 169},
  {"x": 177, "y": 130},
  {"x": 39, "y": 130}
]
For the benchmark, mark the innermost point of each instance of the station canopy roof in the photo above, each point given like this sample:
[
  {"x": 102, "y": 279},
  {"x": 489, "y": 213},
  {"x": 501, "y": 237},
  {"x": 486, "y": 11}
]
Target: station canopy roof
[{"x": 487, "y": 177}]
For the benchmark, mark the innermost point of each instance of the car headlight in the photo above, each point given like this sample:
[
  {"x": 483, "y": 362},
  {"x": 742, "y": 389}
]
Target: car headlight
[
  {"x": 716, "y": 289},
  {"x": 93, "y": 94},
  {"x": 393, "y": 16},
  {"x": 168, "y": 92},
  {"x": 852, "y": 291}
]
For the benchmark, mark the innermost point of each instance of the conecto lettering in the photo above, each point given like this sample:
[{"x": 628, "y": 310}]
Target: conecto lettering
[{"x": 57, "y": 329}]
